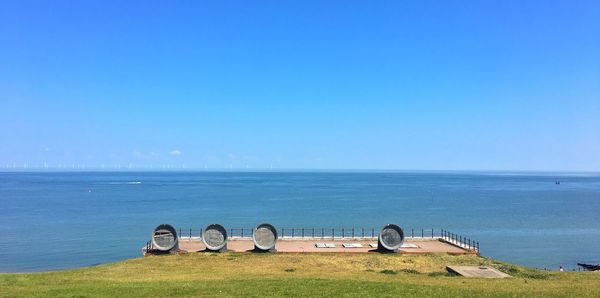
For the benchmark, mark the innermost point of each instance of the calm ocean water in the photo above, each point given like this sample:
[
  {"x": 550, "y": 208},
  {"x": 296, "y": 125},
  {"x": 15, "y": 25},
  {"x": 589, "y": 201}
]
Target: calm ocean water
[{"x": 65, "y": 220}]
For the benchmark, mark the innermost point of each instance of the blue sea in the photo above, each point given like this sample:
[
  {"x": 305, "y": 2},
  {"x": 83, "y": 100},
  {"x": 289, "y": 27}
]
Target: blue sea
[{"x": 56, "y": 220}]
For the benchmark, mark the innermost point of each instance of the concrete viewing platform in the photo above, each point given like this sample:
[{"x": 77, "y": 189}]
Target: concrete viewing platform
[
  {"x": 415, "y": 245},
  {"x": 265, "y": 237}
]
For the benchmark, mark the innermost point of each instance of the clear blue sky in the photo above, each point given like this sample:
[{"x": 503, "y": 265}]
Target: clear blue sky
[{"x": 427, "y": 85}]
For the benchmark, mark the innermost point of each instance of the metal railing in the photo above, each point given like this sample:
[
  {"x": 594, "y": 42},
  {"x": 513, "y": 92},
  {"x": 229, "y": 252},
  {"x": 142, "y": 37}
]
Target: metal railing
[
  {"x": 348, "y": 233},
  {"x": 189, "y": 233},
  {"x": 149, "y": 246},
  {"x": 316, "y": 233},
  {"x": 460, "y": 241},
  {"x": 328, "y": 233},
  {"x": 421, "y": 233}
]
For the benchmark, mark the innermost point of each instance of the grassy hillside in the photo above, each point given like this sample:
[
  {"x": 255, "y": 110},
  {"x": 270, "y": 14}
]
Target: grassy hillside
[{"x": 244, "y": 274}]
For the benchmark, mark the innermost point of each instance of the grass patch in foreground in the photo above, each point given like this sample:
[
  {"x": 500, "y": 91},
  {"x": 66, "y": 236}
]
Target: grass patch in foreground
[{"x": 245, "y": 274}]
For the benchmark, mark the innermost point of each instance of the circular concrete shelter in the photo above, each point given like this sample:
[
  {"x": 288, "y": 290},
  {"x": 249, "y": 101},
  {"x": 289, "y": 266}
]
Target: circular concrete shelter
[
  {"x": 264, "y": 237},
  {"x": 214, "y": 237},
  {"x": 164, "y": 238},
  {"x": 391, "y": 238}
]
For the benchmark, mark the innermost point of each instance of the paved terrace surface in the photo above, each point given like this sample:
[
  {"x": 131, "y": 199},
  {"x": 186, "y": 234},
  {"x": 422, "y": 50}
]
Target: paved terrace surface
[{"x": 419, "y": 245}]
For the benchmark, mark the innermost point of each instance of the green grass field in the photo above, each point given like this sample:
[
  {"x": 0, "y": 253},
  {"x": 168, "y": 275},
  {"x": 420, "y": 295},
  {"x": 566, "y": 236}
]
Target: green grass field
[{"x": 287, "y": 274}]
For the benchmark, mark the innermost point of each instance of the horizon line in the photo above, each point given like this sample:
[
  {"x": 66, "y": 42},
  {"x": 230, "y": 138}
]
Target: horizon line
[{"x": 291, "y": 170}]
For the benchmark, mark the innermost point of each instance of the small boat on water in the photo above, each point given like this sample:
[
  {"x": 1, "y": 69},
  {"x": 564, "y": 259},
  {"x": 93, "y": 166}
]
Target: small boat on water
[{"x": 589, "y": 267}]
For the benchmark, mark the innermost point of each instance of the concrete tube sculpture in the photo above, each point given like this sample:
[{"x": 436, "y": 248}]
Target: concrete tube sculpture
[
  {"x": 390, "y": 239},
  {"x": 264, "y": 237},
  {"x": 164, "y": 238},
  {"x": 214, "y": 237}
]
